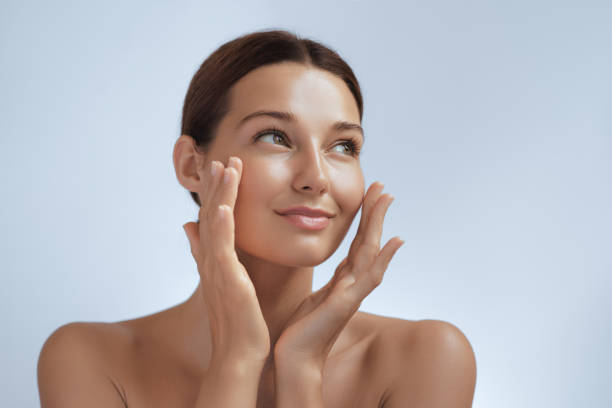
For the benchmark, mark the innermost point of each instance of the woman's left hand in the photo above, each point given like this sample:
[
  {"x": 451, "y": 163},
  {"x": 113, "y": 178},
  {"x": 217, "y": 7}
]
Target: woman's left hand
[{"x": 312, "y": 330}]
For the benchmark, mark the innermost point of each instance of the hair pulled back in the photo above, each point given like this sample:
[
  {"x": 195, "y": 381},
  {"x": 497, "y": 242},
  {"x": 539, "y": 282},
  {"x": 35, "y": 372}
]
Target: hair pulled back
[{"x": 207, "y": 98}]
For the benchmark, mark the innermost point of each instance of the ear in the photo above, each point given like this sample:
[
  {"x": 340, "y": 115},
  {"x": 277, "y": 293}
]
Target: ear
[{"x": 187, "y": 160}]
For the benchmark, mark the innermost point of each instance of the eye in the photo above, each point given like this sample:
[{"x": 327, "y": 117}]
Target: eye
[
  {"x": 275, "y": 133},
  {"x": 352, "y": 147}
]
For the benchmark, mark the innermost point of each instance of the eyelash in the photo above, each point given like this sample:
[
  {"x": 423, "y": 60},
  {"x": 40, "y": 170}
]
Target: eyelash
[{"x": 351, "y": 143}]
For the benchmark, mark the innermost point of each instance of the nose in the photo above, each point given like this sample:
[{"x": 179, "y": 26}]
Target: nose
[{"x": 311, "y": 171}]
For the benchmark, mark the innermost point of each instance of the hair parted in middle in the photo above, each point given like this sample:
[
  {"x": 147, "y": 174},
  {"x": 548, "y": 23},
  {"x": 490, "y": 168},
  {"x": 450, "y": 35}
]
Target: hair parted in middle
[{"x": 207, "y": 98}]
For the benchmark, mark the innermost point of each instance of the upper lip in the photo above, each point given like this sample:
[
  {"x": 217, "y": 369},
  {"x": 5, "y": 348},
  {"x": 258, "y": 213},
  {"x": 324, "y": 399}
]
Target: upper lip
[{"x": 307, "y": 211}]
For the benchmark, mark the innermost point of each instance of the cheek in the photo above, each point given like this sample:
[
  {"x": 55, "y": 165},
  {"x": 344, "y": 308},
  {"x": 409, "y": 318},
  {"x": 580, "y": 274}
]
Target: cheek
[
  {"x": 261, "y": 232},
  {"x": 259, "y": 185},
  {"x": 348, "y": 191}
]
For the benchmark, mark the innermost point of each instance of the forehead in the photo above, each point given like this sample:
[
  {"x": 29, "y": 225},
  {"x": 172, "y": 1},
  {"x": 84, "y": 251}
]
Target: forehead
[{"x": 310, "y": 93}]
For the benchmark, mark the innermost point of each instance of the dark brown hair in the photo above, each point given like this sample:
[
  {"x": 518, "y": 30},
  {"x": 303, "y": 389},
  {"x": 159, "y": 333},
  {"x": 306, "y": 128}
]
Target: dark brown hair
[{"x": 206, "y": 101}]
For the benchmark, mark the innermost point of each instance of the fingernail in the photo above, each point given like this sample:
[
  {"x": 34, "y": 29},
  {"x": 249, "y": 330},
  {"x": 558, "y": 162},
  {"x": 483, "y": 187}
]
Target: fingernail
[
  {"x": 213, "y": 168},
  {"x": 226, "y": 176},
  {"x": 234, "y": 160}
]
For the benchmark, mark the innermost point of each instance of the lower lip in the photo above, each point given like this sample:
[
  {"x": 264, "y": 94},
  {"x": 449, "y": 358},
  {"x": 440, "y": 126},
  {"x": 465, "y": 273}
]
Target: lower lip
[{"x": 309, "y": 223}]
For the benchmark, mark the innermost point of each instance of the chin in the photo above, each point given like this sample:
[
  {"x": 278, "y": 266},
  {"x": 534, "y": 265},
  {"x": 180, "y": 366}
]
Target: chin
[
  {"x": 303, "y": 261},
  {"x": 286, "y": 244},
  {"x": 291, "y": 254}
]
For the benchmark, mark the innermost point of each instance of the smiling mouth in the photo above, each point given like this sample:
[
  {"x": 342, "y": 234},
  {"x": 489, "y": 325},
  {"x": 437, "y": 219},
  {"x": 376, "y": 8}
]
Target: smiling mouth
[{"x": 306, "y": 222}]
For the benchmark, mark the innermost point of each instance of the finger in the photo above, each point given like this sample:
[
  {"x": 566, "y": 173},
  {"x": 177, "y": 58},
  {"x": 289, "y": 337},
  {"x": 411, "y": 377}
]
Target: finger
[
  {"x": 211, "y": 179},
  {"x": 192, "y": 236},
  {"x": 224, "y": 227},
  {"x": 225, "y": 251},
  {"x": 387, "y": 253},
  {"x": 374, "y": 277},
  {"x": 369, "y": 200},
  {"x": 338, "y": 274},
  {"x": 374, "y": 224},
  {"x": 370, "y": 246},
  {"x": 210, "y": 176},
  {"x": 367, "y": 242},
  {"x": 384, "y": 257},
  {"x": 230, "y": 182}
]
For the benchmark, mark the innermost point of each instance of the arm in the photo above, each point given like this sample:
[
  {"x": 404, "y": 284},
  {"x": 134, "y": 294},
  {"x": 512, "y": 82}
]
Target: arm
[
  {"x": 437, "y": 368},
  {"x": 299, "y": 386},
  {"x": 230, "y": 385}
]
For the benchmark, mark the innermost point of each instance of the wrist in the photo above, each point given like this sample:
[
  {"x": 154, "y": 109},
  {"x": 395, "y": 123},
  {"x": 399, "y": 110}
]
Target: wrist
[
  {"x": 235, "y": 366},
  {"x": 298, "y": 386},
  {"x": 224, "y": 377},
  {"x": 290, "y": 363},
  {"x": 297, "y": 372}
]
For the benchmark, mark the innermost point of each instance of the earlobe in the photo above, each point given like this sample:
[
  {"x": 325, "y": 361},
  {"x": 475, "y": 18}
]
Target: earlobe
[{"x": 187, "y": 160}]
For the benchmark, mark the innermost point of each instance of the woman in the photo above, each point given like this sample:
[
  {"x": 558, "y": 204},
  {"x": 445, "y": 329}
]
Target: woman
[{"x": 270, "y": 152}]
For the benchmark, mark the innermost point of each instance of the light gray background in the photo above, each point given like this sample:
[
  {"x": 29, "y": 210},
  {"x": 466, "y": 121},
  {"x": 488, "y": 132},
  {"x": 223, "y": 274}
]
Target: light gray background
[{"x": 490, "y": 122}]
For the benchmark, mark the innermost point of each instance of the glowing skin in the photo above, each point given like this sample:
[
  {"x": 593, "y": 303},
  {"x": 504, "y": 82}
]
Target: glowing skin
[
  {"x": 311, "y": 166},
  {"x": 314, "y": 170},
  {"x": 163, "y": 359}
]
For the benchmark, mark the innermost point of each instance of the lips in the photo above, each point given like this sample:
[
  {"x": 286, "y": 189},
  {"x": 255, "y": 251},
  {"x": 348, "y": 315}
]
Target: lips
[
  {"x": 306, "y": 222},
  {"x": 306, "y": 211},
  {"x": 313, "y": 219}
]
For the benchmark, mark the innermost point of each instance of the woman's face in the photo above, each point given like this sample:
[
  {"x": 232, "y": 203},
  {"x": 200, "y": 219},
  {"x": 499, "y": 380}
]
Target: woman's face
[{"x": 306, "y": 163}]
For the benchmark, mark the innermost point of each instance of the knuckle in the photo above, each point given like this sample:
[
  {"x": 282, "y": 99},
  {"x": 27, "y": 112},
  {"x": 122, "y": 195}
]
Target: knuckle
[
  {"x": 375, "y": 278},
  {"x": 227, "y": 174},
  {"x": 346, "y": 301}
]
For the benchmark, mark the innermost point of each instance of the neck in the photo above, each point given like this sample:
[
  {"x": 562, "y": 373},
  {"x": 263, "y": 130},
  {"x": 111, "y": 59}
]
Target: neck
[{"x": 280, "y": 290}]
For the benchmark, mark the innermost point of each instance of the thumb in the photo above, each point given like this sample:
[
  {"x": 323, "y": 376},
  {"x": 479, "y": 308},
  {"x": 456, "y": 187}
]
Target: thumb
[{"x": 192, "y": 237}]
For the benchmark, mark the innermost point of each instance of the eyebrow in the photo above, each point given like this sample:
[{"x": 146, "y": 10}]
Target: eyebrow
[{"x": 290, "y": 117}]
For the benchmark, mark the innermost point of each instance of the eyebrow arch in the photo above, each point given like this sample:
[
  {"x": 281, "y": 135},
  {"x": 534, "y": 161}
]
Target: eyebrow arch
[{"x": 290, "y": 117}]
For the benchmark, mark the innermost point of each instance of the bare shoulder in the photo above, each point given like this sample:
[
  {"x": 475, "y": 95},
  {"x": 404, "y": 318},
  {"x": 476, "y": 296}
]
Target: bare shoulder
[
  {"x": 96, "y": 341},
  {"x": 415, "y": 336},
  {"x": 427, "y": 362},
  {"x": 74, "y": 366}
]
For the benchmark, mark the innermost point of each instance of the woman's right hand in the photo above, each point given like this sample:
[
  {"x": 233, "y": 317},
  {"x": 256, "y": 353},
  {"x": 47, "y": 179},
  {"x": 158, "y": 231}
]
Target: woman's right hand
[{"x": 238, "y": 330}]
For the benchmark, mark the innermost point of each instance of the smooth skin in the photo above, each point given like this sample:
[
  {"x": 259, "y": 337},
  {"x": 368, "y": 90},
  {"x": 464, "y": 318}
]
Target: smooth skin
[
  {"x": 227, "y": 287},
  {"x": 255, "y": 301}
]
